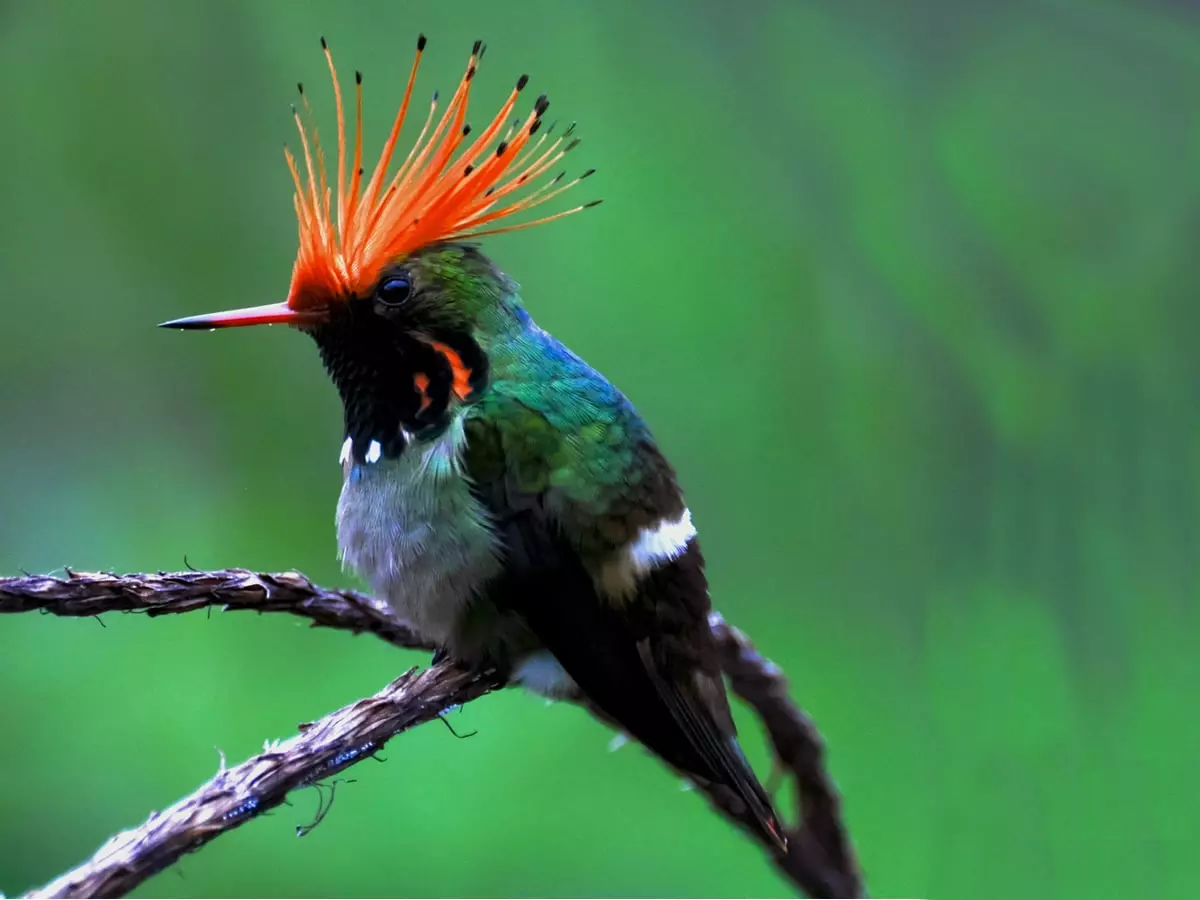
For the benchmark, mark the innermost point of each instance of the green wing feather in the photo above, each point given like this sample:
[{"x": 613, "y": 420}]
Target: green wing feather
[
  {"x": 571, "y": 474},
  {"x": 575, "y": 443}
]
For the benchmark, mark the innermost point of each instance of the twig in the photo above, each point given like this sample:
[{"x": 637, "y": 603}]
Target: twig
[
  {"x": 820, "y": 859},
  {"x": 235, "y": 796},
  {"x": 82, "y": 594}
]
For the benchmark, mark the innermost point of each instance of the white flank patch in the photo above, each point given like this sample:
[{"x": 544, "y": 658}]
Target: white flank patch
[
  {"x": 653, "y": 546},
  {"x": 374, "y": 451},
  {"x": 542, "y": 674},
  {"x": 665, "y": 542},
  {"x": 345, "y": 454}
]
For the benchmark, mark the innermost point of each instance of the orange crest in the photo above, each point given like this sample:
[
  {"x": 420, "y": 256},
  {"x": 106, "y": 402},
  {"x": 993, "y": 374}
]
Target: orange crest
[{"x": 438, "y": 192}]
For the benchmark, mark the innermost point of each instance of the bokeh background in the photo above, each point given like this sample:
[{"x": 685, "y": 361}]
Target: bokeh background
[{"x": 908, "y": 293}]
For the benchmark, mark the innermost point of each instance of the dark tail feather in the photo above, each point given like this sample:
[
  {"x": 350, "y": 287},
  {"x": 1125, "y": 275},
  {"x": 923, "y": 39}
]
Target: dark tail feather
[
  {"x": 735, "y": 788},
  {"x": 716, "y": 756},
  {"x": 758, "y": 812},
  {"x": 615, "y": 668}
]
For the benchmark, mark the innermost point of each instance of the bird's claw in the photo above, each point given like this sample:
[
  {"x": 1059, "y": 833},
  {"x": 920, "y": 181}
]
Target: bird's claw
[
  {"x": 487, "y": 669},
  {"x": 484, "y": 667}
]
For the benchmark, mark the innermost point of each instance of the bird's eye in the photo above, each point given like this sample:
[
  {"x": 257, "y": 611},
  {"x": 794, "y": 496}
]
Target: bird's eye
[{"x": 394, "y": 290}]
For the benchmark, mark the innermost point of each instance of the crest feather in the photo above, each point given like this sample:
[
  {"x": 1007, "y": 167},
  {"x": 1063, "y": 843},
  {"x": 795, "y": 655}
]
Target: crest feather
[{"x": 447, "y": 187}]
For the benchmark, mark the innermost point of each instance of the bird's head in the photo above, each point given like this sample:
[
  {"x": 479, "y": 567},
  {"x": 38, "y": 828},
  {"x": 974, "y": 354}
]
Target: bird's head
[{"x": 386, "y": 280}]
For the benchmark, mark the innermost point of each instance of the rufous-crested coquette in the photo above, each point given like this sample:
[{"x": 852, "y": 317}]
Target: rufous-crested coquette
[{"x": 499, "y": 493}]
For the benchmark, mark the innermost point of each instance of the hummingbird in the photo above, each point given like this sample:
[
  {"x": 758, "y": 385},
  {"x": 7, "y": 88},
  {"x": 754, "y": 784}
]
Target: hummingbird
[{"x": 498, "y": 493}]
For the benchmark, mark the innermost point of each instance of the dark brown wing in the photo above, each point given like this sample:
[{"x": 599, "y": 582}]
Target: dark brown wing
[{"x": 648, "y": 664}]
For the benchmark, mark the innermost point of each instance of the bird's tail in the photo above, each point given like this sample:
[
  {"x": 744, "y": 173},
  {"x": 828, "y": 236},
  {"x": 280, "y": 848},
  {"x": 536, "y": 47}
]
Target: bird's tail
[
  {"x": 724, "y": 774},
  {"x": 743, "y": 797}
]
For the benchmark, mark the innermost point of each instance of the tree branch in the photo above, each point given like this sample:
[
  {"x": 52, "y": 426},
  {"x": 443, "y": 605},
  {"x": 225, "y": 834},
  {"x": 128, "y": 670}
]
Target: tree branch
[
  {"x": 85, "y": 594},
  {"x": 235, "y": 796},
  {"x": 820, "y": 859}
]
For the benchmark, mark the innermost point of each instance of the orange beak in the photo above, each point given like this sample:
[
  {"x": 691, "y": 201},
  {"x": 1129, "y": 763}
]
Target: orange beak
[{"x": 270, "y": 314}]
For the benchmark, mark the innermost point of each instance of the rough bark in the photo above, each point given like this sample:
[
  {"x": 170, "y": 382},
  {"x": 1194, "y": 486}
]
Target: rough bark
[{"x": 819, "y": 860}]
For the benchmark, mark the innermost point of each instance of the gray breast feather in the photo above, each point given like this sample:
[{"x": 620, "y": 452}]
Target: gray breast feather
[{"x": 411, "y": 528}]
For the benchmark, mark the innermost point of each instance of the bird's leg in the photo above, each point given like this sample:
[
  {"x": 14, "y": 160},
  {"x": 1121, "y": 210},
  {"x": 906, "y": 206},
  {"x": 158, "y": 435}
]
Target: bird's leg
[
  {"x": 481, "y": 666},
  {"x": 486, "y": 666}
]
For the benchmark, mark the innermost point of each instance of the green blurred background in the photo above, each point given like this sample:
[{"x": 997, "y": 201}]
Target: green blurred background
[{"x": 907, "y": 291}]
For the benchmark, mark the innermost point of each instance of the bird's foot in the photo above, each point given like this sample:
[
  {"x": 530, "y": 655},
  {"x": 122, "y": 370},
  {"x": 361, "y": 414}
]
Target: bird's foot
[
  {"x": 481, "y": 667},
  {"x": 488, "y": 668}
]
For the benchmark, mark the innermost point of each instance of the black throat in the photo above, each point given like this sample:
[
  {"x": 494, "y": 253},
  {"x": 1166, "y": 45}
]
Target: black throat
[
  {"x": 395, "y": 385},
  {"x": 375, "y": 365}
]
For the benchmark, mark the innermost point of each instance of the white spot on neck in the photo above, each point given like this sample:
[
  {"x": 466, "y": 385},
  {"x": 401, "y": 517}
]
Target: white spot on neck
[
  {"x": 346, "y": 448},
  {"x": 374, "y": 452},
  {"x": 653, "y": 547}
]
